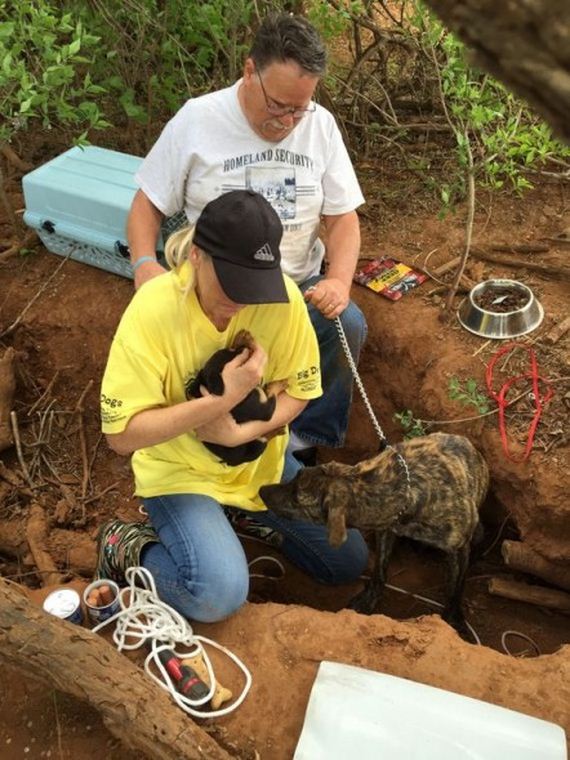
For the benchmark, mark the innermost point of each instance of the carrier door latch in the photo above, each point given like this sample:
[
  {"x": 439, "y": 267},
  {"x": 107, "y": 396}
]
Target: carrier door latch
[
  {"x": 123, "y": 249},
  {"x": 48, "y": 226}
]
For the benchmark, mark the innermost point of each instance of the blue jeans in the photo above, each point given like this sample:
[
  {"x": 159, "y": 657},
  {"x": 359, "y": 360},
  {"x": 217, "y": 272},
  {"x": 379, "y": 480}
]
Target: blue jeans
[
  {"x": 324, "y": 420},
  {"x": 200, "y": 567}
]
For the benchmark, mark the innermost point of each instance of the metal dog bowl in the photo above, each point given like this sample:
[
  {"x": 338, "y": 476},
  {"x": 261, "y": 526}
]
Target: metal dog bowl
[{"x": 482, "y": 320}]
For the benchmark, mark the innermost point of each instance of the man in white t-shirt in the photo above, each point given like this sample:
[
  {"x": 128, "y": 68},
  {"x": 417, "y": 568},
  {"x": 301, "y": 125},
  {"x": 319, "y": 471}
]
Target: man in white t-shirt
[{"x": 266, "y": 133}]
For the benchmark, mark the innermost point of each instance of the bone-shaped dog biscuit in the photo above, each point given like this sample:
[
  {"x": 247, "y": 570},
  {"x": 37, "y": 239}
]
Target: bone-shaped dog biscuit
[{"x": 221, "y": 694}]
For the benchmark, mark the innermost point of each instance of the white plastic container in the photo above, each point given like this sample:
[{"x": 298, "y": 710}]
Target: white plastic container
[{"x": 361, "y": 714}]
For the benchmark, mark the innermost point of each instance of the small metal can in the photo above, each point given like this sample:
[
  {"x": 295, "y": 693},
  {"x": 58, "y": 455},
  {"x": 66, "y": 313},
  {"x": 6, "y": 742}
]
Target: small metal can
[
  {"x": 65, "y": 604},
  {"x": 99, "y": 614}
]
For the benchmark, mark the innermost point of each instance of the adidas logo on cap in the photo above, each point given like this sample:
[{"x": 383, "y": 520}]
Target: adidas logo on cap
[{"x": 264, "y": 253}]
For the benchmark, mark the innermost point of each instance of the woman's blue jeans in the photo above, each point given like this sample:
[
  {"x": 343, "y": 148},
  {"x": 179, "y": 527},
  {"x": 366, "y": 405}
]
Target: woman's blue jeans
[
  {"x": 200, "y": 567},
  {"x": 324, "y": 420}
]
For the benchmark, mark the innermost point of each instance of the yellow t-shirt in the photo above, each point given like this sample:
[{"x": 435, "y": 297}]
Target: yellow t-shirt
[{"x": 162, "y": 341}]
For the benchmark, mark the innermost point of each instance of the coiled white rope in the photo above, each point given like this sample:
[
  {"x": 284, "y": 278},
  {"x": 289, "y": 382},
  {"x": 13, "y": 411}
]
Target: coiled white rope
[
  {"x": 144, "y": 620},
  {"x": 270, "y": 561}
]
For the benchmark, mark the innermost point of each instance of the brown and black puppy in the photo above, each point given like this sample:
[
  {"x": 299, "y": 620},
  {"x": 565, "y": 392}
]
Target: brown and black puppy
[
  {"x": 449, "y": 480},
  {"x": 259, "y": 404}
]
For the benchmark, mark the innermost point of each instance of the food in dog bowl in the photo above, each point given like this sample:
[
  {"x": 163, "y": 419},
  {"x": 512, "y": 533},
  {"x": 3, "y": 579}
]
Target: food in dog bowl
[
  {"x": 500, "y": 309},
  {"x": 501, "y": 299}
]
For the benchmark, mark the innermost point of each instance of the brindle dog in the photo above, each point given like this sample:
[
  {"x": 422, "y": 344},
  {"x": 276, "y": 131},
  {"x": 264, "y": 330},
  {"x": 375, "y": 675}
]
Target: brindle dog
[
  {"x": 259, "y": 404},
  {"x": 449, "y": 480}
]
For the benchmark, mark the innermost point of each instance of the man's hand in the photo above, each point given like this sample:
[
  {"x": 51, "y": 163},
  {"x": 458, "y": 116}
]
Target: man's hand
[
  {"x": 329, "y": 296},
  {"x": 146, "y": 271}
]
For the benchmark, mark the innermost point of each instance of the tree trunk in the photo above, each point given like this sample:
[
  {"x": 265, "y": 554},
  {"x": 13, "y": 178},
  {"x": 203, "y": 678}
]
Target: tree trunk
[
  {"x": 78, "y": 662},
  {"x": 519, "y": 556},
  {"x": 523, "y": 592},
  {"x": 548, "y": 269},
  {"x": 525, "y": 45}
]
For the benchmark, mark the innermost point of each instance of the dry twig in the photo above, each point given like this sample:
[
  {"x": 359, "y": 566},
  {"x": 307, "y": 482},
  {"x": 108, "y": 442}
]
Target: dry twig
[
  {"x": 19, "y": 452},
  {"x": 15, "y": 249},
  {"x": 83, "y": 442},
  {"x": 44, "y": 395},
  {"x": 30, "y": 303}
]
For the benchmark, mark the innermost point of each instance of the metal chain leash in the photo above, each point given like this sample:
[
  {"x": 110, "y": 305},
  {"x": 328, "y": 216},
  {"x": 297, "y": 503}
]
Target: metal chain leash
[{"x": 368, "y": 405}]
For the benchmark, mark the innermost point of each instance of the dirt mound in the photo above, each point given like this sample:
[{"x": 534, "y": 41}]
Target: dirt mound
[{"x": 61, "y": 344}]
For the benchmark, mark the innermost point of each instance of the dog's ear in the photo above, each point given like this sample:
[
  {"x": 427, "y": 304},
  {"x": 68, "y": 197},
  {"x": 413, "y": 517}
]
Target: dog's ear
[{"x": 334, "y": 505}]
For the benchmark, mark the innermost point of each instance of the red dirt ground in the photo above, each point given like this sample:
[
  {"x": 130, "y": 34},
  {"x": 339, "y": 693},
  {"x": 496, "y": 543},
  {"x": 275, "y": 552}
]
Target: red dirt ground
[{"x": 410, "y": 356}]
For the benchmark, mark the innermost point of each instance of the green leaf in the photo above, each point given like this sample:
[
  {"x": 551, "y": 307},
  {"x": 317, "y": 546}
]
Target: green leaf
[
  {"x": 7, "y": 64},
  {"x": 6, "y": 29}
]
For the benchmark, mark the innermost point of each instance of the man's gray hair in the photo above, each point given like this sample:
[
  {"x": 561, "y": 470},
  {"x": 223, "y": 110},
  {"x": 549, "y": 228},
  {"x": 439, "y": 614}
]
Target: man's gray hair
[{"x": 284, "y": 37}]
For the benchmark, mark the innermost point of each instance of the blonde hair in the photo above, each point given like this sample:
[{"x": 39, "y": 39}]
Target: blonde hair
[{"x": 177, "y": 252}]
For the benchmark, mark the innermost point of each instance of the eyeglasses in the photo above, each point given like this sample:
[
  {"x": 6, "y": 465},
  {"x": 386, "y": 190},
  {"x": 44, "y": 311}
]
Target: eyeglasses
[{"x": 276, "y": 109}]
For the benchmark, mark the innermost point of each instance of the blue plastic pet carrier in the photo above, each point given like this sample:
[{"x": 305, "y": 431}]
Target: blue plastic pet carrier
[{"x": 79, "y": 201}]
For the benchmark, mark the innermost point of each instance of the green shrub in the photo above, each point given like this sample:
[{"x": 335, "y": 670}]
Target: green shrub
[{"x": 44, "y": 69}]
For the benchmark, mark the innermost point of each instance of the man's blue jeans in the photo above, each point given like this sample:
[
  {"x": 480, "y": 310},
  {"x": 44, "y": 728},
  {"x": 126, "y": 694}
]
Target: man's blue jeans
[
  {"x": 200, "y": 567},
  {"x": 324, "y": 420}
]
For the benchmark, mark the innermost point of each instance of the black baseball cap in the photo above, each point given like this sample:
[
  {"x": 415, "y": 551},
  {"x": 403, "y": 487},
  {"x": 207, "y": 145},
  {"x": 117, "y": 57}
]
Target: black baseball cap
[{"x": 241, "y": 231}]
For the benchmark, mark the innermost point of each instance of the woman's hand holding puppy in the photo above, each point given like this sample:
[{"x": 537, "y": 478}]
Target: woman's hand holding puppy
[
  {"x": 243, "y": 373},
  {"x": 154, "y": 426}
]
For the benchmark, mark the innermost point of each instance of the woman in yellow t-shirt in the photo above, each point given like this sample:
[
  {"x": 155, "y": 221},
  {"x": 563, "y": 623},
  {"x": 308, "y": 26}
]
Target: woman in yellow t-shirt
[{"x": 225, "y": 278}]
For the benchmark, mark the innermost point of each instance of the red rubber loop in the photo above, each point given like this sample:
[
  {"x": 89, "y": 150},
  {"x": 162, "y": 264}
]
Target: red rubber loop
[{"x": 503, "y": 403}]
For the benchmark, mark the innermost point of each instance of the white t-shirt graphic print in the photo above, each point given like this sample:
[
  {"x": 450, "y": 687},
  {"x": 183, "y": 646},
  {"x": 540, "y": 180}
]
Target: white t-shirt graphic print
[{"x": 208, "y": 148}]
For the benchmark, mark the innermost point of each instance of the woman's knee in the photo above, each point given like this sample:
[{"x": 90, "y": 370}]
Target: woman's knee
[
  {"x": 350, "y": 559},
  {"x": 209, "y": 599}
]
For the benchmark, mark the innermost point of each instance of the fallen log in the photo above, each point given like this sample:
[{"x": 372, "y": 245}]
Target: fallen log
[
  {"x": 548, "y": 269},
  {"x": 36, "y": 536},
  {"x": 557, "y": 332},
  {"x": 523, "y": 592},
  {"x": 75, "y": 550},
  {"x": 522, "y": 248},
  {"x": 77, "y": 662},
  {"x": 518, "y": 556},
  {"x": 7, "y": 390},
  {"x": 443, "y": 268}
]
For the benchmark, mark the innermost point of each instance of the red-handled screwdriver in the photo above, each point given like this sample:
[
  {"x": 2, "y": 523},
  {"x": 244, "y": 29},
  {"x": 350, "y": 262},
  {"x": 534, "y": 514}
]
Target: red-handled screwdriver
[{"x": 186, "y": 679}]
